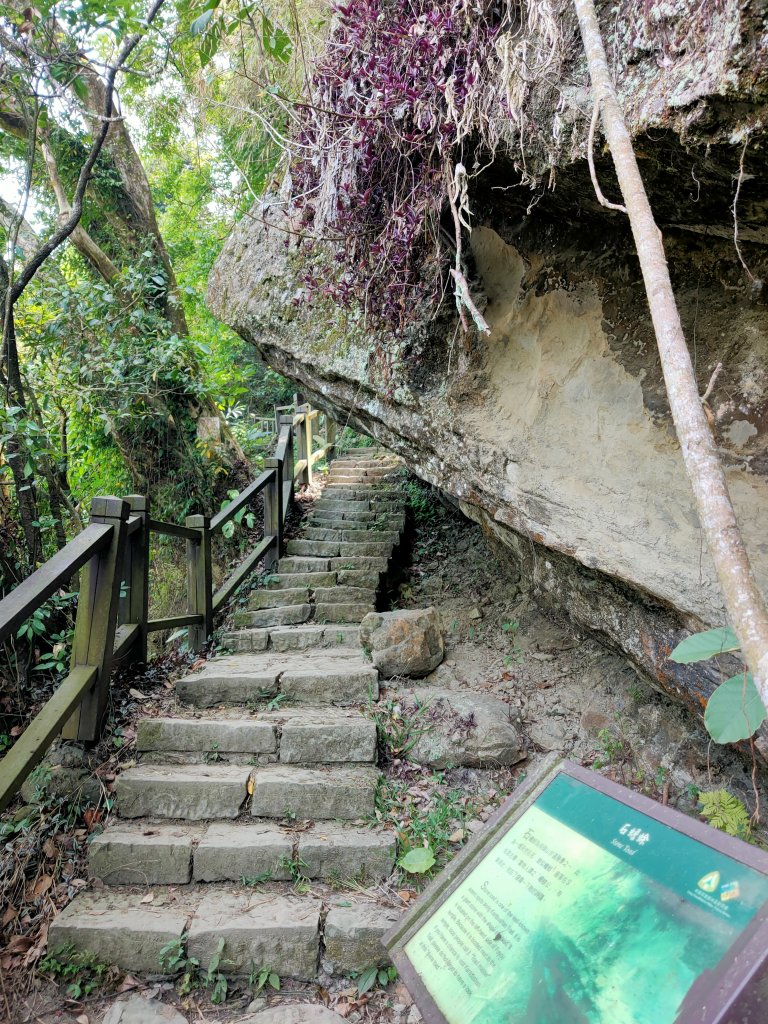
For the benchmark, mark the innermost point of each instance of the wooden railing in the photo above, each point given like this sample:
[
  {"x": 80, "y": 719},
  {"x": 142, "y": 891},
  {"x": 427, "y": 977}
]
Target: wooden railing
[{"x": 113, "y": 621}]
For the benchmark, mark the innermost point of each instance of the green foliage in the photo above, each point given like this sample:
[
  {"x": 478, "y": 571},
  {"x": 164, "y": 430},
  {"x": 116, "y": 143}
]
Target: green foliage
[
  {"x": 735, "y": 710},
  {"x": 373, "y": 975},
  {"x": 418, "y": 861},
  {"x": 296, "y": 868},
  {"x": 260, "y": 977},
  {"x": 398, "y": 728},
  {"x": 81, "y": 971},
  {"x": 702, "y": 646},
  {"x": 726, "y": 812},
  {"x": 175, "y": 960}
]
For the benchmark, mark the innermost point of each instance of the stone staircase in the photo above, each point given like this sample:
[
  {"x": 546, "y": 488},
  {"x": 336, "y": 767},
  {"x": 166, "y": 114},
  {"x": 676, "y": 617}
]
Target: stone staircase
[{"x": 245, "y": 830}]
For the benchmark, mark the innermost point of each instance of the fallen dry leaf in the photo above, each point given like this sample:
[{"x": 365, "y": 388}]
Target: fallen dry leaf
[
  {"x": 42, "y": 885},
  {"x": 82, "y": 1019},
  {"x": 10, "y": 914},
  {"x": 49, "y": 849},
  {"x": 249, "y": 787},
  {"x": 128, "y": 983},
  {"x": 148, "y": 898},
  {"x": 457, "y": 836}
]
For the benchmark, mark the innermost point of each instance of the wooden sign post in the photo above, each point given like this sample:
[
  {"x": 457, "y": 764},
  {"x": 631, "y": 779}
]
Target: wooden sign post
[{"x": 583, "y": 902}]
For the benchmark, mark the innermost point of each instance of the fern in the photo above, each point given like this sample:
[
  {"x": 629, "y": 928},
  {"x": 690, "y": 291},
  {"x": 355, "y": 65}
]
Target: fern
[{"x": 725, "y": 811}]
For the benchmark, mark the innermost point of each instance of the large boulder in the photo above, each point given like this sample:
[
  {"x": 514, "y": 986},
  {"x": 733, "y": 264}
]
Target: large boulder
[
  {"x": 403, "y": 643},
  {"x": 460, "y": 728}
]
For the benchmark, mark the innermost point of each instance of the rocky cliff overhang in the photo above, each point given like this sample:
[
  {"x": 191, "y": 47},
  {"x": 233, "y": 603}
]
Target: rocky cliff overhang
[{"x": 554, "y": 431}]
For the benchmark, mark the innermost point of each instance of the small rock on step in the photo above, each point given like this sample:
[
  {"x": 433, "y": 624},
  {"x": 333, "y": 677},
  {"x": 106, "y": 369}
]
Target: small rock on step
[
  {"x": 343, "y": 793},
  {"x": 288, "y": 616},
  {"x": 118, "y": 928},
  {"x": 191, "y": 792},
  {"x": 353, "y": 936},
  {"x": 129, "y": 853},
  {"x": 407, "y": 642},
  {"x": 343, "y": 612},
  {"x": 281, "y": 931},
  {"x": 284, "y": 597}
]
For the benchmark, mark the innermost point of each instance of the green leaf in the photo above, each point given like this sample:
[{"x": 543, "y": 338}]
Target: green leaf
[
  {"x": 367, "y": 980},
  {"x": 418, "y": 860},
  {"x": 701, "y": 646},
  {"x": 725, "y": 811},
  {"x": 734, "y": 711},
  {"x": 277, "y": 42},
  {"x": 200, "y": 23},
  {"x": 274, "y": 981}
]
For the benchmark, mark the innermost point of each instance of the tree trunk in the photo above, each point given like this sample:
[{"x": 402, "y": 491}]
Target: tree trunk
[{"x": 744, "y": 602}]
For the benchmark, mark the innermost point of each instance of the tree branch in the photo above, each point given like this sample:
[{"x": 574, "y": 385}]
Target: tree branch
[
  {"x": 71, "y": 223},
  {"x": 744, "y": 603}
]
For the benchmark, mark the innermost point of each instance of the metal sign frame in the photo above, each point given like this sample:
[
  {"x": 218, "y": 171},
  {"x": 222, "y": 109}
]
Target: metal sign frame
[{"x": 735, "y": 991}]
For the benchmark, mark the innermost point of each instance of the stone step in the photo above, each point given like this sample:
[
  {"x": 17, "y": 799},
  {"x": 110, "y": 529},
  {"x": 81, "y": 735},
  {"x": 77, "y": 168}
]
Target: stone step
[
  {"x": 300, "y": 638},
  {"x": 192, "y": 792},
  {"x": 289, "y": 580},
  {"x": 278, "y": 598},
  {"x": 347, "y": 521},
  {"x": 313, "y": 548},
  {"x": 369, "y": 562},
  {"x": 352, "y": 536},
  {"x": 366, "y": 578},
  {"x": 239, "y": 930},
  {"x": 294, "y": 565},
  {"x": 288, "y": 616},
  {"x": 291, "y": 735},
  {"x": 198, "y": 792},
  {"x": 338, "y": 676},
  {"x": 299, "y": 793},
  {"x": 345, "y": 612},
  {"x": 359, "y": 511},
  {"x": 376, "y": 548},
  {"x": 344, "y": 595},
  {"x": 361, "y": 505}
]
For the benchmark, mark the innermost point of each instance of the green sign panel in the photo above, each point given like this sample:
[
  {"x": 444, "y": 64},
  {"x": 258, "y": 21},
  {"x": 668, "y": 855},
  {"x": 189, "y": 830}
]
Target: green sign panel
[{"x": 585, "y": 910}]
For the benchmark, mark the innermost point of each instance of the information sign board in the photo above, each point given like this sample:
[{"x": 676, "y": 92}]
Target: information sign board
[{"x": 583, "y": 902}]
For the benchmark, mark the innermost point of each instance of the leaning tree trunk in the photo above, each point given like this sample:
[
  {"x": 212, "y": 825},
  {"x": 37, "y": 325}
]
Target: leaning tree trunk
[{"x": 744, "y": 602}]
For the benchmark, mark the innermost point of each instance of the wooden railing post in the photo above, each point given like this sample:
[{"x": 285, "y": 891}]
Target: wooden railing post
[
  {"x": 290, "y": 461},
  {"x": 273, "y": 512},
  {"x": 330, "y": 437},
  {"x": 134, "y": 606},
  {"x": 303, "y": 449},
  {"x": 199, "y": 581},
  {"x": 97, "y": 619}
]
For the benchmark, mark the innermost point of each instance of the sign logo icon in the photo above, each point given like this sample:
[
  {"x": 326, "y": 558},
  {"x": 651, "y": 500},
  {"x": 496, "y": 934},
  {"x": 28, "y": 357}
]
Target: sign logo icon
[
  {"x": 730, "y": 891},
  {"x": 710, "y": 882}
]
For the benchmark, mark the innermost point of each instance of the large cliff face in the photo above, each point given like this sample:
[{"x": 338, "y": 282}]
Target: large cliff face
[{"x": 554, "y": 431}]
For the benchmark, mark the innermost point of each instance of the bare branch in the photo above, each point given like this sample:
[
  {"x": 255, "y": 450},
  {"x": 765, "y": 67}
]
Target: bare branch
[{"x": 66, "y": 229}]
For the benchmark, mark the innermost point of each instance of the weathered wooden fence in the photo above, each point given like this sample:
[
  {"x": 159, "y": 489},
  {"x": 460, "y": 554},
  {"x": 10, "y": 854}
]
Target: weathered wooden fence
[{"x": 112, "y": 622}]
